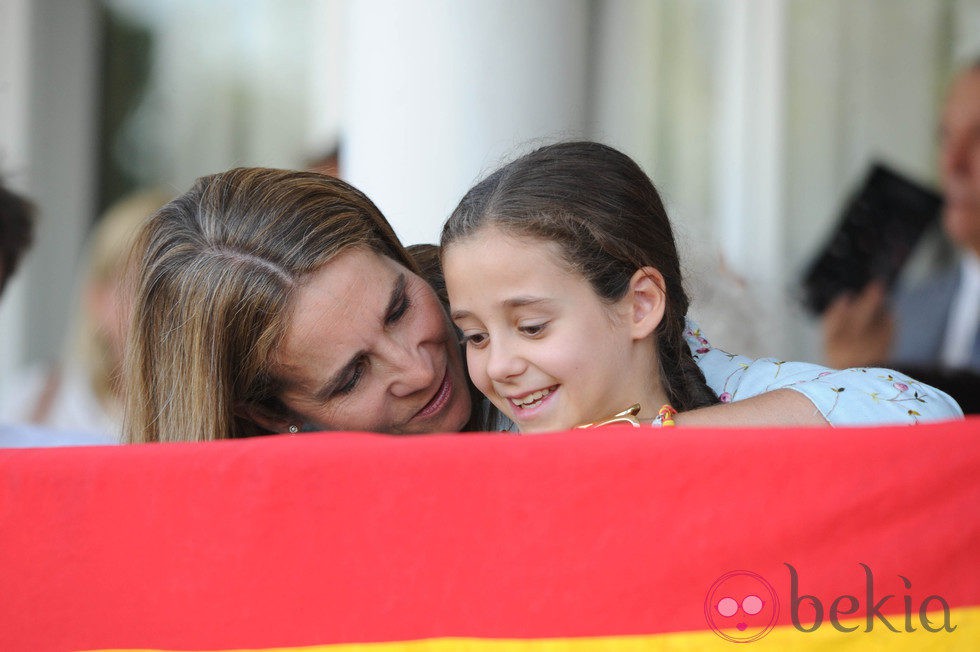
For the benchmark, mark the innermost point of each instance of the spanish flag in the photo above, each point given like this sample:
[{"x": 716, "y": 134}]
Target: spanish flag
[{"x": 612, "y": 539}]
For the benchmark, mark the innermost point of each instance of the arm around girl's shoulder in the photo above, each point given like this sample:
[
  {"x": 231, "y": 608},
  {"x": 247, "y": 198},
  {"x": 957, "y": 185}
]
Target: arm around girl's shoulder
[{"x": 846, "y": 397}]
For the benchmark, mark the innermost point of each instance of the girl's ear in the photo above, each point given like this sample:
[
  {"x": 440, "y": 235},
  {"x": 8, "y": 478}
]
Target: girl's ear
[
  {"x": 649, "y": 301},
  {"x": 266, "y": 418}
]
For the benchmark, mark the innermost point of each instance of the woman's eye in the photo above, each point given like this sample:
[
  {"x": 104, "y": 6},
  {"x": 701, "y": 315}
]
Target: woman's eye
[{"x": 351, "y": 381}]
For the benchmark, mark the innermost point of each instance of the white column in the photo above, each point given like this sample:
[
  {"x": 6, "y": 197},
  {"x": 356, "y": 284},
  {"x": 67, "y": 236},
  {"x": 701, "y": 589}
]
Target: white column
[
  {"x": 748, "y": 160},
  {"x": 628, "y": 100},
  {"x": 63, "y": 151},
  {"x": 440, "y": 92},
  {"x": 47, "y": 123}
]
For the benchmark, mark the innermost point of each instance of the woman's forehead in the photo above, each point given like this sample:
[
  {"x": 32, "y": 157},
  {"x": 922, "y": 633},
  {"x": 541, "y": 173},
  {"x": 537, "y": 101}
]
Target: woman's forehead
[{"x": 337, "y": 307}]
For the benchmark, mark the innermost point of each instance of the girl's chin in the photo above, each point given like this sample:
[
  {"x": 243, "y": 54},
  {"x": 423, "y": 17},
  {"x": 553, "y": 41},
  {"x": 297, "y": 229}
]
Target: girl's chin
[{"x": 537, "y": 428}]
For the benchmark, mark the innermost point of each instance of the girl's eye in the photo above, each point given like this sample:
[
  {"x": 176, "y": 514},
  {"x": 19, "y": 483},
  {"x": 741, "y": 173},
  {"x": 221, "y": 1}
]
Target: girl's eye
[
  {"x": 351, "y": 383},
  {"x": 533, "y": 330},
  {"x": 475, "y": 340}
]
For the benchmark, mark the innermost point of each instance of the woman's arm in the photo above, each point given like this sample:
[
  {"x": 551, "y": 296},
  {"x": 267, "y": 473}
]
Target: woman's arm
[{"x": 863, "y": 396}]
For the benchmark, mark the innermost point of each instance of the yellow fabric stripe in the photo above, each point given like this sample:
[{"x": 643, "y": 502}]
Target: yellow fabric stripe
[{"x": 966, "y": 637}]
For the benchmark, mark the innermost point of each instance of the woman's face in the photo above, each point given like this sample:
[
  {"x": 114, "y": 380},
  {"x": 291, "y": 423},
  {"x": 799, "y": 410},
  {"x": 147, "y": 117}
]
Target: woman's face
[{"x": 369, "y": 347}]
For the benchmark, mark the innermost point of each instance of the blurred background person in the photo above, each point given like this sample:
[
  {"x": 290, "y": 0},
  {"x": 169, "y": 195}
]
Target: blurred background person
[
  {"x": 16, "y": 235},
  {"x": 82, "y": 390},
  {"x": 932, "y": 328}
]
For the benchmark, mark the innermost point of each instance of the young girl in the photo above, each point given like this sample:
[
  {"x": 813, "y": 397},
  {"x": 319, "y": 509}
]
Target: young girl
[{"x": 563, "y": 276}]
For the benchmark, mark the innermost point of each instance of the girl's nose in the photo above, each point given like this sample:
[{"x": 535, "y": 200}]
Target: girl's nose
[{"x": 504, "y": 364}]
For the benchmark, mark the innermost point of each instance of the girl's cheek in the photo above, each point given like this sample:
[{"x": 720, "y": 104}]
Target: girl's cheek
[{"x": 474, "y": 368}]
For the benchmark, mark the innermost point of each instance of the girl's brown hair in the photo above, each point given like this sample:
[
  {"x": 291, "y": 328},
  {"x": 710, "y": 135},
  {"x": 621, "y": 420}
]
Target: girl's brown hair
[{"x": 605, "y": 214}]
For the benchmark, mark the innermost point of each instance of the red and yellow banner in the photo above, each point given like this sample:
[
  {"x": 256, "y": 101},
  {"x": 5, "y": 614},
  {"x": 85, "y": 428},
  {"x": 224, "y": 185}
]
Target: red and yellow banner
[{"x": 614, "y": 539}]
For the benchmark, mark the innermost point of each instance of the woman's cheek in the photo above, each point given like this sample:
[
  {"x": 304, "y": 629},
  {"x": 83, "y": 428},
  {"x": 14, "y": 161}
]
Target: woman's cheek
[{"x": 431, "y": 319}]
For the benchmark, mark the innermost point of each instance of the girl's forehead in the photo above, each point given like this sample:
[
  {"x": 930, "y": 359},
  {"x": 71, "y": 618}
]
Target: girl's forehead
[
  {"x": 494, "y": 234},
  {"x": 495, "y": 268}
]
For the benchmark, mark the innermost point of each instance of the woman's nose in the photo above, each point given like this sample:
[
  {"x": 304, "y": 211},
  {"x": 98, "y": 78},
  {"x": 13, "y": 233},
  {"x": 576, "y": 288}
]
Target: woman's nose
[{"x": 412, "y": 367}]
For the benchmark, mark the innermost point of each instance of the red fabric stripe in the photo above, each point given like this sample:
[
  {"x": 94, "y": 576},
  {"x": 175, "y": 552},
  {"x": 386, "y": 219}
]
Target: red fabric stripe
[{"x": 290, "y": 541}]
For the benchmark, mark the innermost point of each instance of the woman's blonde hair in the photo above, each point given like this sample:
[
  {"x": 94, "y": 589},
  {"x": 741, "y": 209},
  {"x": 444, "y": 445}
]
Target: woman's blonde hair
[{"x": 218, "y": 269}]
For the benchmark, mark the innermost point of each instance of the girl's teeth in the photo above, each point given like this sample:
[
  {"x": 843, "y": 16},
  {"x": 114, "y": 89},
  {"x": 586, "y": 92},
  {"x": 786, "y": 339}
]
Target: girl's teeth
[{"x": 533, "y": 397}]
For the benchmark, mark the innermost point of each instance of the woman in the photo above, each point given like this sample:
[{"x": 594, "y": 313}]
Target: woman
[{"x": 279, "y": 301}]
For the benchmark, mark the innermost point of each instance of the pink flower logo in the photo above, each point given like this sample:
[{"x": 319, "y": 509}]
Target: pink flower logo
[
  {"x": 902, "y": 387},
  {"x": 741, "y": 607},
  {"x": 725, "y": 397}
]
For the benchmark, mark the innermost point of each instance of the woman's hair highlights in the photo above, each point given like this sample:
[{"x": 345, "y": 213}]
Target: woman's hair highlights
[
  {"x": 607, "y": 217},
  {"x": 217, "y": 270}
]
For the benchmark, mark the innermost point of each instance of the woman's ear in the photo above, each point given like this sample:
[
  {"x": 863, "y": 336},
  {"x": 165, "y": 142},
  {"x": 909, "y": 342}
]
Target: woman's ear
[
  {"x": 649, "y": 301},
  {"x": 265, "y": 418}
]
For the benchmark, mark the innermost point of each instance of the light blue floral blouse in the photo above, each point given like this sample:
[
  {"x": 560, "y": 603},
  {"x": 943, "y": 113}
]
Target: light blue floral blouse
[{"x": 847, "y": 397}]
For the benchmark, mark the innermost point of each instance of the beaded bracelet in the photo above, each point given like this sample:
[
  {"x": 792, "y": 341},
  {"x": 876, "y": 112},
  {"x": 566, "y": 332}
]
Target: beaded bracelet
[{"x": 666, "y": 414}]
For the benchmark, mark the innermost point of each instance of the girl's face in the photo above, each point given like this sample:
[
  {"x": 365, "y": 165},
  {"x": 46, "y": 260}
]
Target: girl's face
[
  {"x": 540, "y": 343},
  {"x": 369, "y": 347}
]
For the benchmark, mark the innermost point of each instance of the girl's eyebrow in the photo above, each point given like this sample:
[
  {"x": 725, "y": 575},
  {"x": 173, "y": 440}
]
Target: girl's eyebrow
[
  {"x": 518, "y": 302},
  {"x": 513, "y": 302}
]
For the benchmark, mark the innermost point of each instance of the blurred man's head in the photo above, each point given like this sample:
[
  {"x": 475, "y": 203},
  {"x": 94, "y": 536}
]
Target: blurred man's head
[
  {"x": 960, "y": 159},
  {"x": 16, "y": 232}
]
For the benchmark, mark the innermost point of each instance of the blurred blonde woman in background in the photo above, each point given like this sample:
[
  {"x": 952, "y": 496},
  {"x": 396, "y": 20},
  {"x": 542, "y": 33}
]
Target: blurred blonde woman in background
[{"x": 82, "y": 391}]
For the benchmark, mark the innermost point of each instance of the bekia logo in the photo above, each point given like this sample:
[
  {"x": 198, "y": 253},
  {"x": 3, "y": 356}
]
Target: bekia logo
[{"x": 741, "y": 607}]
